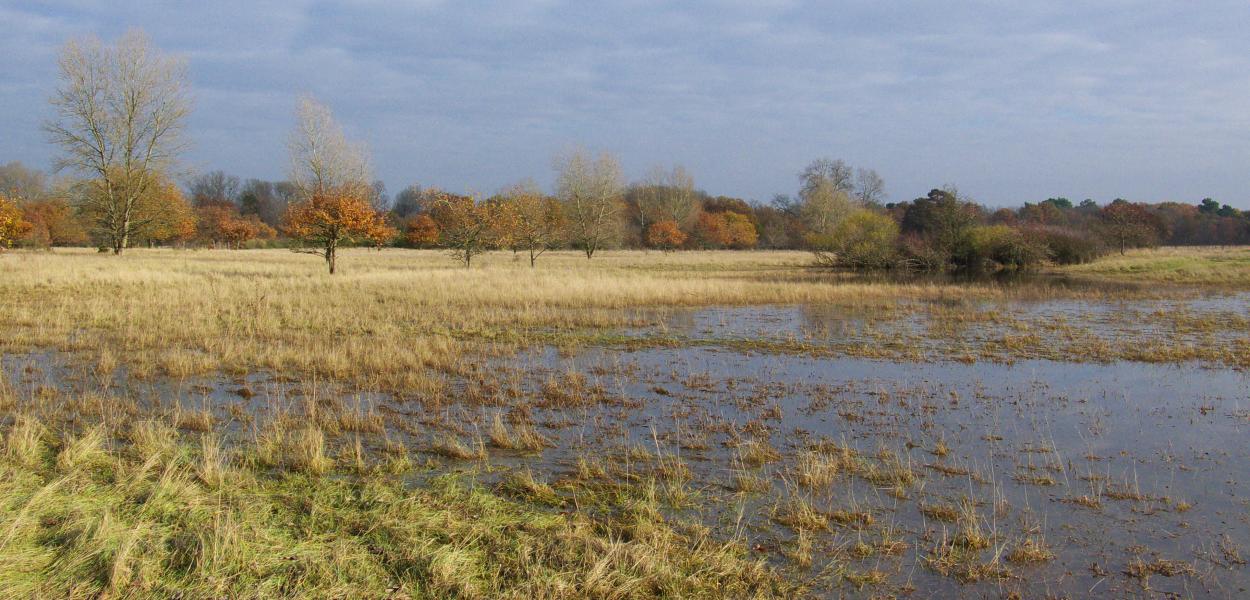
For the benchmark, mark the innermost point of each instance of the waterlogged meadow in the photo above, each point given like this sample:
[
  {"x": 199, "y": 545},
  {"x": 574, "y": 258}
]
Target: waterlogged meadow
[{"x": 688, "y": 425}]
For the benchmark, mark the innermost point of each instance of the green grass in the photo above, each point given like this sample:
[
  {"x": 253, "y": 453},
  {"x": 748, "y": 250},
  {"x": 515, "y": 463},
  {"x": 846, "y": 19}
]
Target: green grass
[{"x": 1196, "y": 266}]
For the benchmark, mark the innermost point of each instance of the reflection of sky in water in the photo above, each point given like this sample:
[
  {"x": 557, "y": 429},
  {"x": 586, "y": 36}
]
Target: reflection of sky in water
[{"x": 1117, "y": 320}]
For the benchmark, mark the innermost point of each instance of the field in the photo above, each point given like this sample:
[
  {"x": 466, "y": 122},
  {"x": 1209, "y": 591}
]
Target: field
[{"x": 210, "y": 424}]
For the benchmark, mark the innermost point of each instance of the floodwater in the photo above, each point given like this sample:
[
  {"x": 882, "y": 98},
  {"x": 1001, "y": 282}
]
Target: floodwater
[{"x": 1132, "y": 474}]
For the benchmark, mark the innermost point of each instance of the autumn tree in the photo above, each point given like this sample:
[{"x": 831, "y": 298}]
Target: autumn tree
[
  {"x": 534, "y": 221},
  {"x": 52, "y": 223},
  {"x": 724, "y": 230},
  {"x": 421, "y": 231},
  {"x": 464, "y": 224},
  {"x": 1129, "y": 225},
  {"x": 940, "y": 222},
  {"x": 12, "y": 225},
  {"x": 220, "y": 223},
  {"x": 331, "y": 176},
  {"x": 825, "y": 197},
  {"x": 170, "y": 217},
  {"x": 739, "y": 231},
  {"x": 381, "y": 233},
  {"x": 665, "y": 235},
  {"x": 590, "y": 190},
  {"x": 326, "y": 220},
  {"x": 120, "y": 113}
]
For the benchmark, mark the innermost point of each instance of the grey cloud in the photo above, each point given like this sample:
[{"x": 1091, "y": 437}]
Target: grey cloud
[{"x": 1011, "y": 101}]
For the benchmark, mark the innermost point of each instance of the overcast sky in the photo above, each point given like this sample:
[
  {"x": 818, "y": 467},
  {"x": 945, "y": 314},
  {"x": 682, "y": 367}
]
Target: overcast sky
[{"x": 1010, "y": 101}]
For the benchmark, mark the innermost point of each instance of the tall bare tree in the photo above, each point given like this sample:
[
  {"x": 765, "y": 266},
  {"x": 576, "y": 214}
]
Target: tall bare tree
[
  {"x": 869, "y": 187},
  {"x": 826, "y": 173},
  {"x": 120, "y": 113},
  {"x": 322, "y": 158},
  {"x": 590, "y": 189}
]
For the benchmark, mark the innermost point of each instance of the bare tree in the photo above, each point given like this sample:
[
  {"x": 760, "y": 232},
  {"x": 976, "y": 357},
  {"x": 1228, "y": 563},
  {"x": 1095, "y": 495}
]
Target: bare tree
[
  {"x": 120, "y": 113},
  {"x": 590, "y": 189},
  {"x": 214, "y": 187},
  {"x": 826, "y": 172},
  {"x": 21, "y": 184},
  {"x": 378, "y": 198},
  {"x": 667, "y": 195},
  {"x": 869, "y": 187},
  {"x": 322, "y": 159}
]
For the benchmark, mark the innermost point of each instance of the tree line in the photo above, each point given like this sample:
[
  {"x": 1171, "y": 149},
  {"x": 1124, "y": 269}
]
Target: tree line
[{"x": 119, "y": 116}]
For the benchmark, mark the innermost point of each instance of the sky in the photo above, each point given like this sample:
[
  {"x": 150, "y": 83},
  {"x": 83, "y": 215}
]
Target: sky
[{"x": 1008, "y": 101}]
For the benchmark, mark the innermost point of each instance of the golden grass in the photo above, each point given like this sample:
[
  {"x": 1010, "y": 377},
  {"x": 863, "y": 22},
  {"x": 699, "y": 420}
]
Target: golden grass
[
  {"x": 406, "y": 319},
  {"x": 389, "y": 317}
]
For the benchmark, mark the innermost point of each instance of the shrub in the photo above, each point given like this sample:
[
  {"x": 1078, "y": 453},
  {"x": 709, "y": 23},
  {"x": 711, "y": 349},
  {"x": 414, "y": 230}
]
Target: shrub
[
  {"x": 999, "y": 246},
  {"x": 1067, "y": 246},
  {"x": 920, "y": 254},
  {"x": 863, "y": 240}
]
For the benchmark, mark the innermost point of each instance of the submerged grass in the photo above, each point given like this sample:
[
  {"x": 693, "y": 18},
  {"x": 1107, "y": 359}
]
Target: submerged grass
[{"x": 143, "y": 512}]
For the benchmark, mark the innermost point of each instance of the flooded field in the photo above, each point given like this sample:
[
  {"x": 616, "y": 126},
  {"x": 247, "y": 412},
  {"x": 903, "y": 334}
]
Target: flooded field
[{"x": 956, "y": 464}]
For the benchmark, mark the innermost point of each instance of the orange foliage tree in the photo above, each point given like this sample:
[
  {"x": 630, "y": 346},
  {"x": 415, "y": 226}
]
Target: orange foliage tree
[
  {"x": 12, "y": 225},
  {"x": 421, "y": 231},
  {"x": 725, "y": 230},
  {"x": 52, "y": 223},
  {"x": 326, "y": 220},
  {"x": 665, "y": 235},
  {"x": 381, "y": 232},
  {"x": 739, "y": 231}
]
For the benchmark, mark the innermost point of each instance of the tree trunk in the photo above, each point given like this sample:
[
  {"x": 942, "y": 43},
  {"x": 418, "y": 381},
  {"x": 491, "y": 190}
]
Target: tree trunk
[
  {"x": 330, "y": 251},
  {"x": 532, "y": 258}
]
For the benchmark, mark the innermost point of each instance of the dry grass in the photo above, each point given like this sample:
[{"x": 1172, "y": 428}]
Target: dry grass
[
  {"x": 393, "y": 316},
  {"x": 403, "y": 319}
]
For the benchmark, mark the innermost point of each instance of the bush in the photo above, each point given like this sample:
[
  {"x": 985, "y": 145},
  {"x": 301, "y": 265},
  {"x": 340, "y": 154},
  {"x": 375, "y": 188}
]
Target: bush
[
  {"x": 1000, "y": 246},
  {"x": 1067, "y": 246},
  {"x": 919, "y": 254},
  {"x": 863, "y": 240}
]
